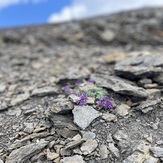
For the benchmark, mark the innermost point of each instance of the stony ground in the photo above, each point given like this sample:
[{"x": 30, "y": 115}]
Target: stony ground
[{"x": 122, "y": 54}]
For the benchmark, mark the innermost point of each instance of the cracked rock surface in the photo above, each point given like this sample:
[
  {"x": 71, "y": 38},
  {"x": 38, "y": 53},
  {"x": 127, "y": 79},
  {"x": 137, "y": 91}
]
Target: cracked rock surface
[{"x": 121, "y": 54}]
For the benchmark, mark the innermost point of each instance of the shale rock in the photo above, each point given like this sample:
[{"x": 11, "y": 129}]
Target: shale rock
[
  {"x": 24, "y": 153},
  {"x": 119, "y": 85},
  {"x": 75, "y": 159},
  {"x": 84, "y": 115}
]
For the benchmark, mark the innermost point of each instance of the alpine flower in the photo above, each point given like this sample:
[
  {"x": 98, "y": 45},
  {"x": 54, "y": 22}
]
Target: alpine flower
[
  {"x": 90, "y": 81},
  {"x": 78, "y": 83},
  {"x": 105, "y": 103},
  {"x": 82, "y": 100},
  {"x": 66, "y": 89}
]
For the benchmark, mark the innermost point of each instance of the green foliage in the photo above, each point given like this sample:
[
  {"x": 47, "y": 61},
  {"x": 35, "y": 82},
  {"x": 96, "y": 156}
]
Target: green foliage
[{"x": 96, "y": 93}]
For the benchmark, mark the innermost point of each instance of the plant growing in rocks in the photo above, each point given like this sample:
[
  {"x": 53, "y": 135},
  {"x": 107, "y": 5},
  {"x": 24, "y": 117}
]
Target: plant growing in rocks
[{"x": 97, "y": 93}]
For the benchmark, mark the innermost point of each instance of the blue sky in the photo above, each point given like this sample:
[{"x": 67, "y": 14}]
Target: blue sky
[{"x": 27, "y": 12}]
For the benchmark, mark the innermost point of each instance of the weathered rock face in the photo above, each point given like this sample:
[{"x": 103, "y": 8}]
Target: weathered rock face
[
  {"x": 138, "y": 67},
  {"x": 76, "y": 158},
  {"x": 61, "y": 106},
  {"x": 42, "y": 122},
  {"x": 24, "y": 153},
  {"x": 84, "y": 115},
  {"x": 149, "y": 105},
  {"x": 119, "y": 85},
  {"x": 157, "y": 151}
]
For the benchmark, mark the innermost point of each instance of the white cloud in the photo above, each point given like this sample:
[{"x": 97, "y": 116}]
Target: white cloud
[
  {"x": 87, "y": 8},
  {"x": 68, "y": 13},
  {"x": 6, "y": 3}
]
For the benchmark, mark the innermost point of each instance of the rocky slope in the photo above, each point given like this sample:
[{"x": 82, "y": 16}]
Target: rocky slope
[{"x": 40, "y": 121}]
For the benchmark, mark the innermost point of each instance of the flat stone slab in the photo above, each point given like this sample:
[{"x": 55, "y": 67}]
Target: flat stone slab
[
  {"x": 60, "y": 105},
  {"x": 44, "y": 91},
  {"x": 73, "y": 159},
  {"x": 138, "y": 67},
  {"x": 89, "y": 146},
  {"x": 119, "y": 85},
  {"x": 149, "y": 105},
  {"x": 84, "y": 115},
  {"x": 24, "y": 153},
  {"x": 157, "y": 151}
]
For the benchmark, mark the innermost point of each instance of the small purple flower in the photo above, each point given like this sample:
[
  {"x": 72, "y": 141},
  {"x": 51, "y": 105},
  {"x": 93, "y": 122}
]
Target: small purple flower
[
  {"x": 75, "y": 93},
  {"x": 90, "y": 81},
  {"x": 66, "y": 89},
  {"x": 105, "y": 103},
  {"x": 82, "y": 100},
  {"x": 78, "y": 83}
]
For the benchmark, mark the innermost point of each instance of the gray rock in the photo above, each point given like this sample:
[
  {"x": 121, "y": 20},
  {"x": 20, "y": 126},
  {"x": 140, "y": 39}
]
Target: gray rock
[
  {"x": 119, "y": 85},
  {"x": 2, "y": 88},
  {"x": 108, "y": 117},
  {"x": 150, "y": 86},
  {"x": 159, "y": 79},
  {"x": 77, "y": 137},
  {"x": 44, "y": 91},
  {"x": 61, "y": 105},
  {"x": 157, "y": 151},
  {"x": 66, "y": 132},
  {"x": 151, "y": 159},
  {"x": 36, "y": 158},
  {"x": 109, "y": 138},
  {"x": 144, "y": 81},
  {"x": 1, "y": 161},
  {"x": 141, "y": 154},
  {"x": 74, "y": 144},
  {"x": 122, "y": 110},
  {"x": 51, "y": 155},
  {"x": 74, "y": 98},
  {"x": 84, "y": 115},
  {"x": 136, "y": 157},
  {"x": 29, "y": 128},
  {"x": 3, "y": 105},
  {"x": 72, "y": 159},
  {"x": 149, "y": 105},
  {"x": 70, "y": 146},
  {"x": 88, "y": 135},
  {"x": 19, "y": 99},
  {"x": 29, "y": 111},
  {"x": 159, "y": 142},
  {"x": 89, "y": 146},
  {"x": 132, "y": 72},
  {"x": 154, "y": 93},
  {"x": 24, "y": 153},
  {"x": 142, "y": 146},
  {"x": 137, "y": 67},
  {"x": 24, "y": 141},
  {"x": 120, "y": 136},
  {"x": 103, "y": 151},
  {"x": 114, "y": 150},
  {"x": 61, "y": 121},
  {"x": 14, "y": 111}
]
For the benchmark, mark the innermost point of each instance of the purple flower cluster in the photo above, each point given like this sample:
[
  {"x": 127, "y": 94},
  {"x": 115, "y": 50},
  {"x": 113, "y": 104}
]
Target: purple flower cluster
[
  {"x": 78, "y": 83},
  {"x": 90, "y": 81},
  {"x": 66, "y": 89},
  {"x": 105, "y": 103},
  {"x": 82, "y": 100}
]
